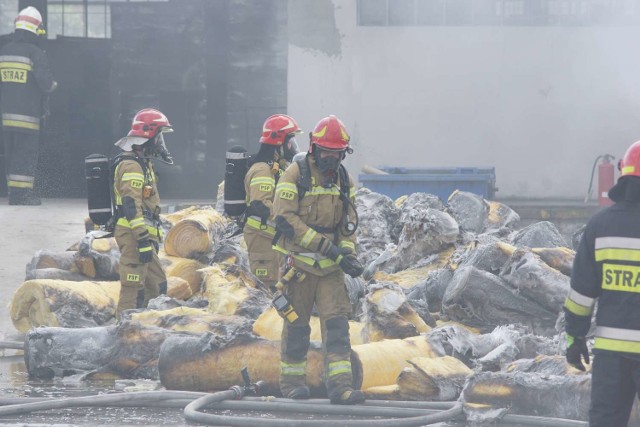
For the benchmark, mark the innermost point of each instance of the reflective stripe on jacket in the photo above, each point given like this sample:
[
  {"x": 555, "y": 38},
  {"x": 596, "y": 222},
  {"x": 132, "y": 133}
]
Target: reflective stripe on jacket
[
  {"x": 315, "y": 220},
  {"x": 606, "y": 271},
  {"x": 25, "y": 77},
  {"x": 129, "y": 181}
]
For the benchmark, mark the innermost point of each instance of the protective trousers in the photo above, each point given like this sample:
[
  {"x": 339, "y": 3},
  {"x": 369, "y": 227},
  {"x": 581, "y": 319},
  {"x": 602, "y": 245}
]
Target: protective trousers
[
  {"x": 21, "y": 159},
  {"x": 139, "y": 282},
  {"x": 263, "y": 260},
  {"x": 615, "y": 383},
  {"x": 332, "y": 302}
]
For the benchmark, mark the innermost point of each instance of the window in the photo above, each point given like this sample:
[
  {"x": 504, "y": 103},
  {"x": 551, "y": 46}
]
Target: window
[{"x": 81, "y": 18}]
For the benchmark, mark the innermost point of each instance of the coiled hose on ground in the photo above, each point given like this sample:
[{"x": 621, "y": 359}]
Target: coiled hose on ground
[{"x": 398, "y": 413}]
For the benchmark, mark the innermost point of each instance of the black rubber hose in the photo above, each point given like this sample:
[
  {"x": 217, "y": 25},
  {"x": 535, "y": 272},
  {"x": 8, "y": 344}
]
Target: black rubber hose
[
  {"x": 192, "y": 413},
  {"x": 113, "y": 399},
  {"x": 183, "y": 399}
]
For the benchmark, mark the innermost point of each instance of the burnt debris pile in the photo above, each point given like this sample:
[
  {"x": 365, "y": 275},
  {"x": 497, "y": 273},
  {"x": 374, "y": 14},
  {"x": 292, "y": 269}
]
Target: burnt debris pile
[{"x": 456, "y": 302}]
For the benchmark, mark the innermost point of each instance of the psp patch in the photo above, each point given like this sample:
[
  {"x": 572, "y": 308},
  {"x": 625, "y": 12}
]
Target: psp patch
[
  {"x": 136, "y": 184},
  {"x": 262, "y": 272},
  {"x": 287, "y": 195},
  {"x": 133, "y": 277},
  {"x": 266, "y": 187}
]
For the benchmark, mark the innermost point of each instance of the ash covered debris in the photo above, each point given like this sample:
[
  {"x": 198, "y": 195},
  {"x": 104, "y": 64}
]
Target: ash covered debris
[{"x": 454, "y": 296}]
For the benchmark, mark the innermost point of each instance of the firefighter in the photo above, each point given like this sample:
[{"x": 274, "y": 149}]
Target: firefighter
[
  {"x": 137, "y": 202},
  {"x": 277, "y": 148},
  {"x": 606, "y": 269},
  {"x": 313, "y": 218},
  {"x": 25, "y": 81}
]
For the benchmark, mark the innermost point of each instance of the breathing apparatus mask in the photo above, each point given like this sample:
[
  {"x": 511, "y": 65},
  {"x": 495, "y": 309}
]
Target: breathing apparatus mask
[
  {"x": 157, "y": 148},
  {"x": 328, "y": 161},
  {"x": 290, "y": 148}
]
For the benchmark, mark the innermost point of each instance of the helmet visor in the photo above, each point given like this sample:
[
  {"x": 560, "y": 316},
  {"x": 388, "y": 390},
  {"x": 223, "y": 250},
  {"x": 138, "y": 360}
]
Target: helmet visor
[{"x": 160, "y": 149}]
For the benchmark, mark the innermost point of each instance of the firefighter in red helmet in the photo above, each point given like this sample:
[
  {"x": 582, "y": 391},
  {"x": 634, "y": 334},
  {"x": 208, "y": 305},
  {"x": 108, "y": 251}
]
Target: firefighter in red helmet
[
  {"x": 314, "y": 210},
  {"x": 25, "y": 81},
  {"x": 606, "y": 269},
  {"x": 137, "y": 201},
  {"x": 277, "y": 148}
]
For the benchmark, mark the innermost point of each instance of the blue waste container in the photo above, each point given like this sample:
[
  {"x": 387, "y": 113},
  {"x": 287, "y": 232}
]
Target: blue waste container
[{"x": 438, "y": 181}]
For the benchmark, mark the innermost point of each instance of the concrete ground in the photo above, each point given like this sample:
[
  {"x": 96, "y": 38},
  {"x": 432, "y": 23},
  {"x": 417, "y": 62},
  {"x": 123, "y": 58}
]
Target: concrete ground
[{"x": 55, "y": 225}]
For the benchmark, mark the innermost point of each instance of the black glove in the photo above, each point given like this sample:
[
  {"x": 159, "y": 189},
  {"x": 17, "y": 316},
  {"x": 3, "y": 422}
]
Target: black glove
[
  {"x": 576, "y": 351},
  {"x": 334, "y": 253},
  {"x": 345, "y": 259},
  {"x": 350, "y": 265},
  {"x": 145, "y": 250},
  {"x": 258, "y": 209}
]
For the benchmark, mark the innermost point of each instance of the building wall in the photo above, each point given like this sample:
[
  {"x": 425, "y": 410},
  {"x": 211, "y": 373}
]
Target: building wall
[{"x": 538, "y": 103}]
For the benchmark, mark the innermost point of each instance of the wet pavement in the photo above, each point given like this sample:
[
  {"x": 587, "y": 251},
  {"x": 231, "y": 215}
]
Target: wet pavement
[{"x": 55, "y": 225}]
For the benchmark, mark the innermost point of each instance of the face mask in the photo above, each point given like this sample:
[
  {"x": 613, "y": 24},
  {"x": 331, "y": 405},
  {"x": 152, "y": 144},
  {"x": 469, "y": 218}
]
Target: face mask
[
  {"x": 290, "y": 149},
  {"x": 327, "y": 165},
  {"x": 159, "y": 149}
]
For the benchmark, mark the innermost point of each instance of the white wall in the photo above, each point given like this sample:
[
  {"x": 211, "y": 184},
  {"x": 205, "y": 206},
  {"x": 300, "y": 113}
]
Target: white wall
[{"x": 538, "y": 103}]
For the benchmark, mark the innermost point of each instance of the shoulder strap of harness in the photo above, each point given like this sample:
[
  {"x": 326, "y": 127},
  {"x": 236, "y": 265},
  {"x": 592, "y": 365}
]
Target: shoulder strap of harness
[{"x": 304, "y": 179}]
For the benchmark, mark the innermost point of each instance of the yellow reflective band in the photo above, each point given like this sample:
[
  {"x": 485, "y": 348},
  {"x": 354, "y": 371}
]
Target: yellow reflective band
[
  {"x": 628, "y": 169},
  {"x": 616, "y": 277},
  {"x": 293, "y": 368},
  {"x": 341, "y": 367},
  {"x": 308, "y": 237},
  {"x": 127, "y": 176},
  {"x": 144, "y": 249},
  {"x": 577, "y": 309},
  {"x": 352, "y": 193},
  {"x": 254, "y": 223},
  {"x": 136, "y": 222},
  {"x": 348, "y": 245},
  {"x": 17, "y": 65},
  {"x": 150, "y": 229},
  {"x": 287, "y": 186},
  {"x": 20, "y": 124},
  {"x": 20, "y": 184},
  {"x": 322, "y": 263},
  {"x": 616, "y": 345},
  {"x": 133, "y": 277},
  {"x": 262, "y": 180},
  {"x": 611, "y": 254},
  {"x": 321, "y": 191}
]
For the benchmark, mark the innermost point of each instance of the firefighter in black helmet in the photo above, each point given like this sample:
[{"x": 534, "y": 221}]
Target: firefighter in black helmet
[{"x": 25, "y": 78}]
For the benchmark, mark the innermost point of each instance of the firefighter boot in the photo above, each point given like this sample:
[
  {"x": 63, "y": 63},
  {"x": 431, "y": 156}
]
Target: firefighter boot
[
  {"x": 300, "y": 392},
  {"x": 348, "y": 397}
]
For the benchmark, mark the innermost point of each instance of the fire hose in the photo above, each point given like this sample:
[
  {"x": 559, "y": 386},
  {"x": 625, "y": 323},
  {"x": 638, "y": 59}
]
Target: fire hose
[
  {"x": 407, "y": 413},
  {"x": 396, "y": 413}
]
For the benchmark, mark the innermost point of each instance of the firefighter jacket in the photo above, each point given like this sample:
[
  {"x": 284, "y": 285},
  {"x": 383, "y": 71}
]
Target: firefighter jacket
[
  {"x": 25, "y": 77},
  {"x": 607, "y": 269},
  {"x": 307, "y": 225},
  {"x": 260, "y": 186},
  {"x": 136, "y": 197}
]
